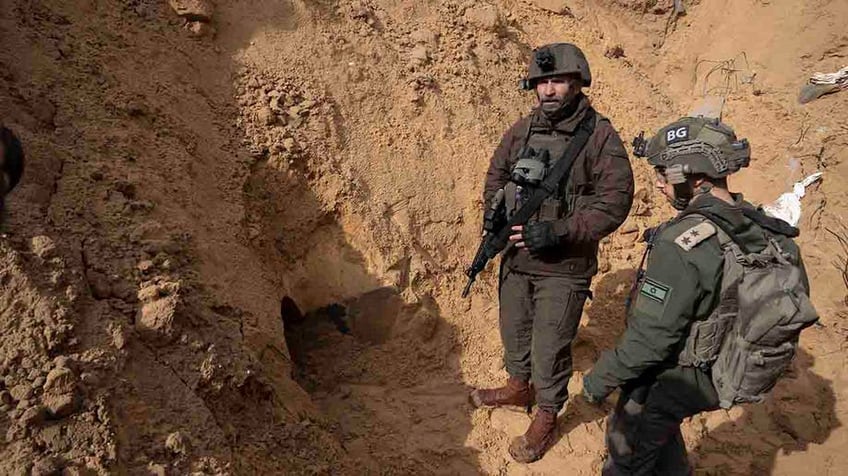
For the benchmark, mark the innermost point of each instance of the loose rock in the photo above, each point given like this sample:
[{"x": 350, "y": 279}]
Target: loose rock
[
  {"x": 419, "y": 55},
  {"x": 47, "y": 467},
  {"x": 43, "y": 246},
  {"x": 266, "y": 116},
  {"x": 193, "y": 10},
  {"x": 559, "y": 7},
  {"x": 60, "y": 380},
  {"x": 61, "y": 361},
  {"x": 156, "y": 469},
  {"x": 177, "y": 443},
  {"x": 485, "y": 17},
  {"x": 21, "y": 392},
  {"x": 34, "y": 416},
  {"x": 157, "y": 318},
  {"x": 145, "y": 265},
  {"x": 61, "y": 406}
]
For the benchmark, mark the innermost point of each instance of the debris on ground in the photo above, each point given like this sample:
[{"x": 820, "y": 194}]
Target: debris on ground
[
  {"x": 787, "y": 207},
  {"x": 821, "y": 84}
]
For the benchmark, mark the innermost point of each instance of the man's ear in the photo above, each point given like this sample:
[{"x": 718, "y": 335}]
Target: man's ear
[{"x": 696, "y": 182}]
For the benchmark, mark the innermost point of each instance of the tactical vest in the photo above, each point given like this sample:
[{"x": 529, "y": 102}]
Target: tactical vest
[{"x": 555, "y": 207}]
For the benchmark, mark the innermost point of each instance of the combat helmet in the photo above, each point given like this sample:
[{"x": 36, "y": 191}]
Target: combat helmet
[
  {"x": 694, "y": 146},
  {"x": 556, "y": 59}
]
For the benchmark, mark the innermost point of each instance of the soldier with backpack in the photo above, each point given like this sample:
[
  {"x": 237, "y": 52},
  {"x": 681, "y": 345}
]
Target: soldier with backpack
[{"x": 717, "y": 312}]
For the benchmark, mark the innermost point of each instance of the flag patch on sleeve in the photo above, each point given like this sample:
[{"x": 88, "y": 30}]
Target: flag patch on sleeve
[{"x": 655, "y": 291}]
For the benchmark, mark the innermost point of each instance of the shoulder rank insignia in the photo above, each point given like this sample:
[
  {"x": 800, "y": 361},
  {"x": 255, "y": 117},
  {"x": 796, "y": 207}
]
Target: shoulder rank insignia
[{"x": 698, "y": 233}]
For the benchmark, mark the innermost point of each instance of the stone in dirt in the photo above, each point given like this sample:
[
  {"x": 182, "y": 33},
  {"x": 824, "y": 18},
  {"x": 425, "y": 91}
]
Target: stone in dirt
[
  {"x": 60, "y": 380},
  {"x": 61, "y": 406},
  {"x": 199, "y": 29},
  {"x": 419, "y": 55},
  {"x": 43, "y": 246},
  {"x": 485, "y": 17},
  {"x": 157, "y": 318},
  {"x": 44, "y": 110},
  {"x": 193, "y": 10},
  {"x": 100, "y": 287},
  {"x": 560, "y": 7},
  {"x": 34, "y": 416},
  {"x": 511, "y": 421},
  {"x": 266, "y": 116},
  {"x": 614, "y": 51},
  {"x": 424, "y": 35},
  {"x": 47, "y": 467},
  {"x": 177, "y": 443}
]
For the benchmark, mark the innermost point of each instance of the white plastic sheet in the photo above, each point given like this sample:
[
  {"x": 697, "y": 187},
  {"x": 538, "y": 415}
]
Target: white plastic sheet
[{"x": 787, "y": 207}]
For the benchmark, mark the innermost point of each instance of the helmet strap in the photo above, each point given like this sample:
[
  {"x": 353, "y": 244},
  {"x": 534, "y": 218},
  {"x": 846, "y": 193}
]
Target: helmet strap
[
  {"x": 705, "y": 187},
  {"x": 682, "y": 195}
]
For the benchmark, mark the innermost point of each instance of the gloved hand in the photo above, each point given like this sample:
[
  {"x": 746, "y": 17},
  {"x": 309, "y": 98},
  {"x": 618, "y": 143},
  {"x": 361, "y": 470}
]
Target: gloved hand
[{"x": 539, "y": 237}]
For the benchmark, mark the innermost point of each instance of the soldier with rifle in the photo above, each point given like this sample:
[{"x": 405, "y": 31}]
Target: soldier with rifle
[{"x": 559, "y": 182}]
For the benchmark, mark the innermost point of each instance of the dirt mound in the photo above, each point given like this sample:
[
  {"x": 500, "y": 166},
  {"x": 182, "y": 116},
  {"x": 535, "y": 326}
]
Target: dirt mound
[{"x": 239, "y": 241}]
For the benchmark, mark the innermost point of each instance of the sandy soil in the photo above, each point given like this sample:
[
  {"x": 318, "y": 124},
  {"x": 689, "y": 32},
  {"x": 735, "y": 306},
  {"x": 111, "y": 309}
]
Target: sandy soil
[{"x": 239, "y": 241}]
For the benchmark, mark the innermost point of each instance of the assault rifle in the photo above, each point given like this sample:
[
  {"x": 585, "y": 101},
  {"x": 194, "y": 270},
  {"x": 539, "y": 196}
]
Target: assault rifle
[
  {"x": 494, "y": 220},
  {"x": 496, "y": 240}
]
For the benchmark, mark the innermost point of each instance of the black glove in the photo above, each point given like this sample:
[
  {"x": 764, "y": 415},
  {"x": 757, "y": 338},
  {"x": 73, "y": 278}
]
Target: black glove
[{"x": 540, "y": 236}]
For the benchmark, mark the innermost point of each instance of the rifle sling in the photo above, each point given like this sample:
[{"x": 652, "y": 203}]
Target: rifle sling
[{"x": 551, "y": 183}]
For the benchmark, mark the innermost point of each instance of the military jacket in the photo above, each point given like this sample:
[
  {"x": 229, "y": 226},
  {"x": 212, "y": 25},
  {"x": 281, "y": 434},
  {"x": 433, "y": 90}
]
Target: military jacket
[
  {"x": 681, "y": 285},
  {"x": 596, "y": 198}
]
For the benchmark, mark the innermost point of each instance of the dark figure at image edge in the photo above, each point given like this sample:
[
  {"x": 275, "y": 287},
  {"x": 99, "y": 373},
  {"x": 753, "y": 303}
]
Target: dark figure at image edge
[{"x": 11, "y": 163}]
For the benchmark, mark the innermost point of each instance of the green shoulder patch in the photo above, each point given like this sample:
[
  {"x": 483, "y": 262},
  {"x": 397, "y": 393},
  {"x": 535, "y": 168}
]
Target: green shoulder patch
[{"x": 655, "y": 290}]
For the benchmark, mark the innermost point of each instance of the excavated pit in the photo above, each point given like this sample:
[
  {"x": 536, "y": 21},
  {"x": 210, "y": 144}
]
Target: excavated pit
[{"x": 239, "y": 242}]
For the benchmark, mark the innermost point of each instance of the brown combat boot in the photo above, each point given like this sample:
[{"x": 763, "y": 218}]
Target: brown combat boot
[
  {"x": 541, "y": 435},
  {"x": 517, "y": 392}
]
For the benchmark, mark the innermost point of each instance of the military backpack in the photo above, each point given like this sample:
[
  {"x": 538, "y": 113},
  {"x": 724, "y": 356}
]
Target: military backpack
[{"x": 749, "y": 340}]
